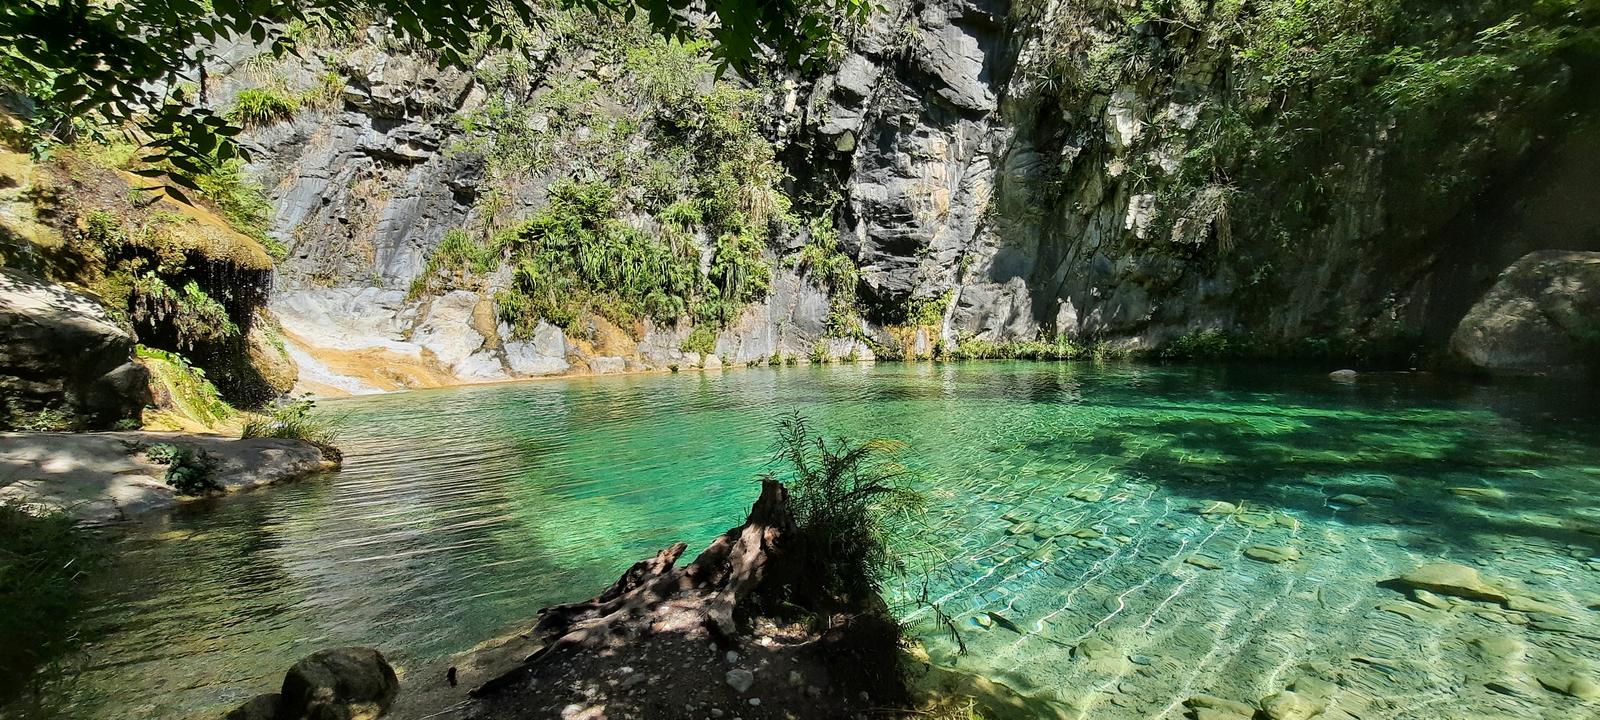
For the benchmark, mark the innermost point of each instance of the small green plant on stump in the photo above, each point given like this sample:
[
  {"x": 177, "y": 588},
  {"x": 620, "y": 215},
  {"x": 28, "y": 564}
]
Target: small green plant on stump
[{"x": 841, "y": 493}]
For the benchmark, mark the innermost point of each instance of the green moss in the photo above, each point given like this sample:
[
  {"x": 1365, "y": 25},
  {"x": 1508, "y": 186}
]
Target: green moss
[
  {"x": 193, "y": 316},
  {"x": 188, "y": 392},
  {"x": 929, "y": 311},
  {"x": 1061, "y": 348},
  {"x": 240, "y": 199}
]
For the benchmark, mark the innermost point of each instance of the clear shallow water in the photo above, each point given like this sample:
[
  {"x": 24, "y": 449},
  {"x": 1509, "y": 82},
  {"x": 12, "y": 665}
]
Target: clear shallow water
[{"x": 460, "y": 512}]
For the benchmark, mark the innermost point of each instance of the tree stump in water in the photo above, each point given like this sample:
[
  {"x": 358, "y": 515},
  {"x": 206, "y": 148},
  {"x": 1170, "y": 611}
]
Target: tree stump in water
[{"x": 655, "y": 596}]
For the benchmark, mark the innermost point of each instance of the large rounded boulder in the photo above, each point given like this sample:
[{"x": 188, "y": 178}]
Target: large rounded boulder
[
  {"x": 62, "y": 356},
  {"x": 1541, "y": 316},
  {"x": 350, "y": 683}
]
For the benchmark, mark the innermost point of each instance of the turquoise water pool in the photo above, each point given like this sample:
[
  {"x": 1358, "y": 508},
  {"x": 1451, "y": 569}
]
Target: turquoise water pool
[{"x": 1116, "y": 538}]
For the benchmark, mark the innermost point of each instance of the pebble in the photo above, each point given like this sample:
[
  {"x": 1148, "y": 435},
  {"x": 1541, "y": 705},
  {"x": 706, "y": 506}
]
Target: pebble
[
  {"x": 755, "y": 702},
  {"x": 740, "y": 680},
  {"x": 732, "y": 656},
  {"x": 1219, "y": 507}
]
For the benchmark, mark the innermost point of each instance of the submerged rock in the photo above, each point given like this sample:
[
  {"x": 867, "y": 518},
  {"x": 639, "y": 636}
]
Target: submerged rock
[
  {"x": 1087, "y": 494},
  {"x": 1211, "y": 706},
  {"x": 1219, "y": 507},
  {"x": 1452, "y": 579},
  {"x": 1290, "y": 705},
  {"x": 1344, "y": 375},
  {"x": 1532, "y": 605},
  {"x": 1349, "y": 499},
  {"x": 1202, "y": 562},
  {"x": 1578, "y": 686},
  {"x": 1272, "y": 553}
]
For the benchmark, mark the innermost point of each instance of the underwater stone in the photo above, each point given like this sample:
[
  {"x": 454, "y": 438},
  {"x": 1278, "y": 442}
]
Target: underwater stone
[
  {"x": 1498, "y": 648},
  {"x": 1272, "y": 553},
  {"x": 1479, "y": 493},
  {"x": 1429, "y": 599},
  {"x": 1452, "y": 579},
  {"x": 1350, "y": 499},
  {"x": 1253, "y": 520},
  {"x": 1531, "y": 605},
  {"x": 1222, "y": 705},
  {"x": 1087, "y": 494},
  {"x": 1200, "y": 561},
  {"x": 1345, "y": 374},
  {"x": 1405, "y": 610},
  {"x": 1086, "y": 533},
  {"x": 1219, "y": 507},
  {"x": 1290, "y": 705},
  {"x": 1092, "y": 648},
  {"x": 1572, "y": 685}
]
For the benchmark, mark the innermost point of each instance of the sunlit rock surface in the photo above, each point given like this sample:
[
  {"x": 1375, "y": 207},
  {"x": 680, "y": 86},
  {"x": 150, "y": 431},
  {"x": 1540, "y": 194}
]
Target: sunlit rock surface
[
  {"x": 60, "y": 351},
  {"x": 107, "y": 477}
]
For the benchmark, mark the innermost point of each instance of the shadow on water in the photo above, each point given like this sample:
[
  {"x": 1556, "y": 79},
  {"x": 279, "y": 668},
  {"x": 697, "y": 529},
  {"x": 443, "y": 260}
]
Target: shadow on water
[{"x": 1404, "y": 443}]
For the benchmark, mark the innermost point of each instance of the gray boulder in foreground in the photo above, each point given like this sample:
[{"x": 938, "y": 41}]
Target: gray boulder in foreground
[
  {"x": 61, "y": 351},
  {"x": 1541, "y": 316},
  {"x": 349, "y": 683}
]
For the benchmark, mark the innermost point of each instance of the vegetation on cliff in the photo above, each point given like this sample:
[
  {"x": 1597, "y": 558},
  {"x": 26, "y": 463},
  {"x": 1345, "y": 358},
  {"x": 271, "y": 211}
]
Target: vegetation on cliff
[
  {"x": 663, "y": 195},
  {"x": 1266, "y": 139},
  {"x": 90, "y": 69}
]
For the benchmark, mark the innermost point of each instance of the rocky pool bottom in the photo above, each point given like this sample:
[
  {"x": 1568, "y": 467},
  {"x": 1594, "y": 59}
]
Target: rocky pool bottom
[{"x": 1115, "y": 541}]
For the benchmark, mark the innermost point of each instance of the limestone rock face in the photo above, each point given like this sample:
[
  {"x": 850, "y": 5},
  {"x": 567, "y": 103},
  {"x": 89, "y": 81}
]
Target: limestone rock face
[
  {"x": 350, "y": 683},
  {"x": 60, "y": 350},
  {"x": 1542, "y": 315}
]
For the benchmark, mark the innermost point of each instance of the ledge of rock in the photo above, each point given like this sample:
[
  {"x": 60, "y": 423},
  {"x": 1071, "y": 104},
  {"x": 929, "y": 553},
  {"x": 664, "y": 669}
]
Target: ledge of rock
[{"x": 101, "y": 478}]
